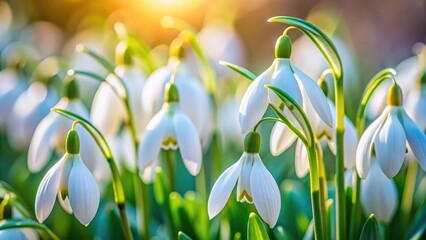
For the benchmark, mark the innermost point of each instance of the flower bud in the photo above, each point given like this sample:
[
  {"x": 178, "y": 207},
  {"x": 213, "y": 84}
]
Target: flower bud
[
  {"x": 394, "y": 95},
  {"x": 252, "y": 142},
  {"x": 171, "y": 93},
  {"x": 73, "y": 142},
  {"x": 123, "y": 53},
  {"x": 283, "y": 47},
  {"x": 71, "y": 88},
  {"x": 177, "y": 49}
]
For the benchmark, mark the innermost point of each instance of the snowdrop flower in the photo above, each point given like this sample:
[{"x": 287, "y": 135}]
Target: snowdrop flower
[
  {"x": 389, "y": 134},
  {"x": 50, "y": 134},
  {"x": 325, "y": 133},
  {"x": 27, "y": 112},
  {"x": 194, "y": 100},
  {"x": 11, "y": 87},
  {"x": 284, "y": 75},
  {"x": 408, "y": 71},
  {"x": 169, "y": 129},
  {"x": 106, "y": 101},
  {"x": 72, "y": 183},
  {"x": 255, "y": 184},
  {"x": 379, "y": 195}
]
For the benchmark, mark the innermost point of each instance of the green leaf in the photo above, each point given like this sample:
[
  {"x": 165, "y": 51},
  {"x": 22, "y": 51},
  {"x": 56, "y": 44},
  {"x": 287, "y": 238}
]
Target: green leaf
[
  {"x": 418, "y": 226},
  {"x": 246, "y": 73},
  {"x": 371, "y": 230},
  {"x": 256, "y": 228},
  {"x": 26, "y": 223},
  {"x": 161, "y": 188},
  {"x": 321, "y": 40},
  {"x": 183, "y": 236}
]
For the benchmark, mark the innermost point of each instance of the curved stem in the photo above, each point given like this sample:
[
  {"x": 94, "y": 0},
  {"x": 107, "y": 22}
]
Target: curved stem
[
  {"x": 116, "y": 180},
  {"x": 27, "y": 223},
  {"x": 360, "y": 119},
  {"x": 266, "y": 119}
]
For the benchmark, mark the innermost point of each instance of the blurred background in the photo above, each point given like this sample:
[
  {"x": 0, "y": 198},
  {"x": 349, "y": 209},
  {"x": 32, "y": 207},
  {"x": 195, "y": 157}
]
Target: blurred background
[{"x": 370, "y": 35}]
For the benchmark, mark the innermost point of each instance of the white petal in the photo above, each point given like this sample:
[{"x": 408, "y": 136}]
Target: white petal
[
  {"x": 150, "y": 146},
  {"x": 351, "y": 143},
  {"x": 379, "y": 195},
  {"x": 416, "y": 139},
  {"x": 281, "y": 138},
  {"x": 89, "y": 149},
  {"x": 149, "y": 173},
  {"x": 107, "y": 112},
  {"x": 189, "y": 142},
  {"x": 40, "y": 147},
  {"x": 243, "y": 186},
  {"x": 390, "y": 145},
  {"x": 284, "y": 79},
  {"x": 416, "y": 107},
  {"x": 255, "y": 101},
  {"x": 316, "y": 96},
  {"x": 301, "y": 161},
  {"x": 83, "y": 192},
  {"x": 65, "y": 203},
  {"x": 222, "y": 188},
  {"x": 153, "y": 92},
  {"x": 265, "y": 192},
  {"x": 46, "y": 193},
  {"x": 363, "y": 151}
]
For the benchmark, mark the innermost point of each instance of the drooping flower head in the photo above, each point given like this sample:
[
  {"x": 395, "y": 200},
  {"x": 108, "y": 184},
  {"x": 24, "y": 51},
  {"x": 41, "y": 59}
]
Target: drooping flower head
[
  {"x": 389, "y": 135},
  {"x": 287, "y": 77},
  {"x": 169, "y": 129},
  {"x": 255, "y": 184},
  {"x": 106, "y": 101},
  {"x": 72, "y": 183},
  {"x": 194, "y": 100}
]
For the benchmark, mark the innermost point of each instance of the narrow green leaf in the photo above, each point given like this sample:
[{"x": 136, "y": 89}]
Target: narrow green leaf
[
  {"x": 243, "y": 71},
  {"x": 418, "y": 225},
  {"x": 161, "y": 188},
  {"x": 183, "y": 236},
  {"x": 371, "y": 230},
  {"x": 26, "y": 223},
  {"x": 256, "y": 228},
  {"x": 320, "y": 39}
]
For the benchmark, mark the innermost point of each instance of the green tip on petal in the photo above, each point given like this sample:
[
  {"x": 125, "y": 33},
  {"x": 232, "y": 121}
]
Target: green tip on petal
[
  {"x": 252, "y": 142},
  {"x": 394, "y": 95},
  {"x": 324, "y": 87},
  {"x": 283, "y": 47},
  {"x": 171, "y": 93},
  {"x": 71, "y": 87},
  {"x": 177, "y": 49},
  {"x": 73, "y": 142},
  {"x": 123, "y": 53}
]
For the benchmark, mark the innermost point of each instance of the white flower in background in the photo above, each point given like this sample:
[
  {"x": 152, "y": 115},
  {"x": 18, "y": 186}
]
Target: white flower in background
[
  {"x": 51, "y": 133},
  {"x": 11, "y": 88},
  {"x": 72, "y": 183},
  {"x": 169, "y": 129},
  {"x": 123, "y": 148},
  {"x": 313, "y": 63},
  {"x": 194, "y": 100},
  {"x": 221, "y": 42},
  {"x": 284, "y": 75},
  {"x": 323, "y": 133},
  {"x": 255, "y": 184},
  {"x": 409, "y": 71},
  {"x": 12, "y": 234},
  {"x": 389, "y": 134},
  {"x": 227, "y": 123},
  {"x": 379, "y": 195},
  {"x": 27, "y": 112},
  {"x": 416, "y": 104},
  {"x": 106, "y": 101}
]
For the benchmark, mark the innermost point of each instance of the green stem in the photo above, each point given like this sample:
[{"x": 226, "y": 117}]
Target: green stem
[
  {"x": 323, "y": 188},
  {"x": 170, "y": 165},
  {"x": 27, "y": 223},
  {"x": 407, "y": 197},
  {"x": 315, "y": 193},
  {"x": 340, "y": 168},
  {"x": 360, "y": 119}
]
